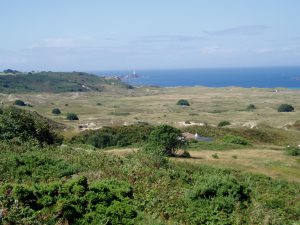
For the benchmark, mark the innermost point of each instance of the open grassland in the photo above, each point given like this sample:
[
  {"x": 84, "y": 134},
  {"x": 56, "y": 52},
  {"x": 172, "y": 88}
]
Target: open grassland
[
  {"x": 208, "y": 105},
  {"x": 120, "y": 175},
  {"x": 158, "y": 105},
  {"x": 273, "y": 163}
]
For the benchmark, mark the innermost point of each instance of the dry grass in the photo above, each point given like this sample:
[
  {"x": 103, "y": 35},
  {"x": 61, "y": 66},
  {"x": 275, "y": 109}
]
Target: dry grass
[
  {"x": 272, "y": 163},
  {"x": 158, "y": 105}
]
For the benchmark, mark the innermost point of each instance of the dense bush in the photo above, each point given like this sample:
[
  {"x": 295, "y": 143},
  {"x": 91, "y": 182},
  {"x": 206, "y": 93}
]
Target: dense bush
[
  {"x": 145, "y": 190},
  {"x": 183, "y": 102},
  {"x": 18, "y": 123},
  {"x": 72, "y": 116},
  {"x": 166, "y": 139},
  {"x": 293, "y": 151},
  {"x": 235, "y": 140},
  {"x": 223, "y": 123},
  {"x": 30, "y": 166},
  {"x": 251, "y": 107},
  {"x": 19, "y": 103},
  {"x": 214, "y": 199},
  {"x": 120, "y": 136},
  {"x": 72, "y": 202},
  {"x": 285, "y": 108},
  {"x": 56, "y": 111}
]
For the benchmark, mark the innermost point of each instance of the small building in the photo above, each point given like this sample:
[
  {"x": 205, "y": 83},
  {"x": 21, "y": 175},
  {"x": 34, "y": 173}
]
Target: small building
[{"x": 197, "y": 136}]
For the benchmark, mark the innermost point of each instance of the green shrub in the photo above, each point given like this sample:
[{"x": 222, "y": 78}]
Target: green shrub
[
  {"x": 19, "y": 103},
  {"x": 75, "y": 202},
  {"x": 31, "y": 166},
  {"x": 285, "y": 108},
  {"x": 215, "y": 198},
  {"x": 235, "y": 140},
  {"x": 120, "y": 136},
  {"x": 72, "y": 116},
  {"x": 56, "y": 111},
  {"x": 223, "y": 123},
  {"x": 293, "y": 151},
  {"x": 183, "y": 102},
  {"x": 18, "y": 123},
  {"x": 215, "y": 156},
  {"x": 251, "y": 107}
]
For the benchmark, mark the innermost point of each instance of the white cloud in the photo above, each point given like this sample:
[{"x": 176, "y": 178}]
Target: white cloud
[
  {"x": 62, "y": 42},
  {"x": 241, "y": 30},
  {"x": 217, "y": 50},
  {"x": 263, "y": 50}
]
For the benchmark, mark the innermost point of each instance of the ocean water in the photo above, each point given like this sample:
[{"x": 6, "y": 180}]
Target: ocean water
[{"x": 269, "y": 77}]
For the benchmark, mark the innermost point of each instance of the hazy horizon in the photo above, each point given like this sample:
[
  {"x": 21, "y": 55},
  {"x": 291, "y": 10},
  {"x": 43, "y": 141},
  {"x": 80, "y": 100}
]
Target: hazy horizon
[{"x": 134, "y": 35}]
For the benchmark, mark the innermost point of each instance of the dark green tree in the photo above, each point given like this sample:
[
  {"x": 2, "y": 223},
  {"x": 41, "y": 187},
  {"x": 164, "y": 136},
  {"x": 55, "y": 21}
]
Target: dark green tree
[
  {"x": 20, "y": 103},
  {"x": 251, "y": 107},
  {"x": 165, "y": 139},
  {"x": 72, "y": 116},
  {"x": 56, "y": 111},
  {"x": 183, "y": 102},
  {"x": 285, "y": 108}
]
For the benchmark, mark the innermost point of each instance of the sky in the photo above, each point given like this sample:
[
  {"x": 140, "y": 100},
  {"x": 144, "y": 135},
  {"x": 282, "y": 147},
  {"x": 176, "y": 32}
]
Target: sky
[{"x": 87, "y": 35}]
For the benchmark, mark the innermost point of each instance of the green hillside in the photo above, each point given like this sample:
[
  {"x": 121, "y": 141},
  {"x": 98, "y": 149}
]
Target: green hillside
[{"x": 57, "y": 82}]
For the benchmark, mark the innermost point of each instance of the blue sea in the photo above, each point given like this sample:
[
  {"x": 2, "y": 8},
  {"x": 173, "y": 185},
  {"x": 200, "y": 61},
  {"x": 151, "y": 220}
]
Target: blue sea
[{"x": 268, "y": 77}]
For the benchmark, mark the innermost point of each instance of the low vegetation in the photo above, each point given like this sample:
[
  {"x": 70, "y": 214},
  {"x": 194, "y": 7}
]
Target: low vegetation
[
  {"x": 70, "y": 184},
  {"x": 293, "y": 151},
  {"x": 125, "y": 175},
  {"x": 231, "y": 139}
]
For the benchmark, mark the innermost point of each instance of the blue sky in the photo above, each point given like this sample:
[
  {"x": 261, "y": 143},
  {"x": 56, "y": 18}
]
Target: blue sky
[{"x": 135, "y": 34}]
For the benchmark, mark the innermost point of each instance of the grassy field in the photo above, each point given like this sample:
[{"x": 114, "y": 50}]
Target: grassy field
[
  {"x": 158, "y": 105},
  {"x": 273, "y": 163}
]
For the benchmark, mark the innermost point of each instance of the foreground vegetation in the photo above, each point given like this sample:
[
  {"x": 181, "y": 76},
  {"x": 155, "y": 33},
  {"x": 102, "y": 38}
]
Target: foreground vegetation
[{"x": 45, "y": 182}]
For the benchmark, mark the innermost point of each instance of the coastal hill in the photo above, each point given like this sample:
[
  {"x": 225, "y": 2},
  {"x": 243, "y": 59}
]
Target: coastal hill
[{"x": 56, "y": 82}]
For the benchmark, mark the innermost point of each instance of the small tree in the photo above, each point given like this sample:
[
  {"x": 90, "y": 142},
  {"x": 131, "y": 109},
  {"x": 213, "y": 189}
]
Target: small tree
[
  {"x": 183, "y": 102},
  {"x": 251, "y": 107},
  {"x": 285, "y": 108},
  {"x": 56, "y": 111},
  {"x": 165, "y": 139},
  {"x": 20, "y": 103},
  {"x": 72, "y": 116}
]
